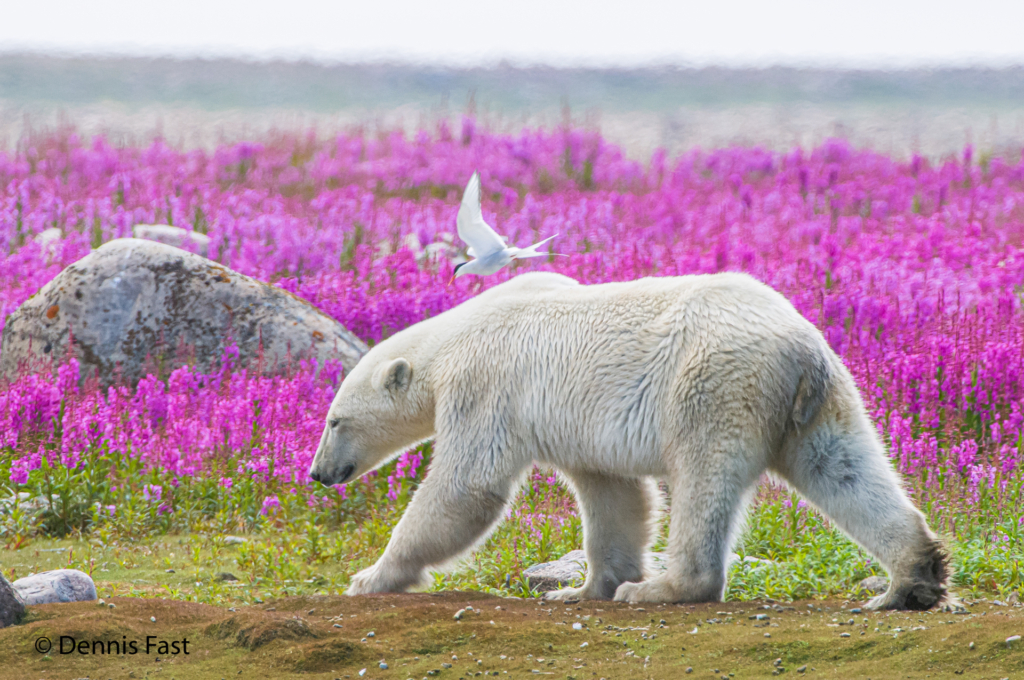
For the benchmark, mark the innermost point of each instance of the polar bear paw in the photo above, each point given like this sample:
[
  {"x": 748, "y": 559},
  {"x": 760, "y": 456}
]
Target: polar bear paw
[
  {"x": 918, "y": 597},
  {"x": 564, "y": 594},
  {"x": 374, "y": 579},
  {"x": 654, "y": 590}
]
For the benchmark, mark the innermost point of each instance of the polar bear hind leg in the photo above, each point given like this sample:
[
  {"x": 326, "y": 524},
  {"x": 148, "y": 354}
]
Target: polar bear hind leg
[
  {"x": 710, "y": 482},
  {"x": 840, "y": 466},
  {"x": 619, "y": 520}
]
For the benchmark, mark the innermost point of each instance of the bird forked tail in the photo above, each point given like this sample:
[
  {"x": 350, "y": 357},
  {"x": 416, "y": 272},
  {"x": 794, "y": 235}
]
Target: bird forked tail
[{"x": 531, "y": 251}]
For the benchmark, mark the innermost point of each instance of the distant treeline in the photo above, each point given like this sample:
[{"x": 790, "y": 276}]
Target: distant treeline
[{"x": 233, "y": 83}]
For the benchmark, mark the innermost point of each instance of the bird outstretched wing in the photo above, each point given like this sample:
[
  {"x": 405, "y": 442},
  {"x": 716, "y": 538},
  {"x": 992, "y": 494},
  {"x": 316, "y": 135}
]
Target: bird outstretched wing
[{"x": 477, "y": 234}]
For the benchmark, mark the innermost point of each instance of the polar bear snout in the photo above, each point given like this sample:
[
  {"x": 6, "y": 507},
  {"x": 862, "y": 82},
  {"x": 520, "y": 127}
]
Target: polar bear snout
[
  {"x": 330, "y": 480},
  {"x": 333, "y": 462}
]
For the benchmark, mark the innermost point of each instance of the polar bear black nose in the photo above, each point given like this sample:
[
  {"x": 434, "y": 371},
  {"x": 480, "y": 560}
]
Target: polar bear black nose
[{"x": 315, "y": 476}]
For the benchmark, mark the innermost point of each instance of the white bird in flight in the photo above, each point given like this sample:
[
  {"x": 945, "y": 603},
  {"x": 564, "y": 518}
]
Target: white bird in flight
[{"x": 489, "y": 250}]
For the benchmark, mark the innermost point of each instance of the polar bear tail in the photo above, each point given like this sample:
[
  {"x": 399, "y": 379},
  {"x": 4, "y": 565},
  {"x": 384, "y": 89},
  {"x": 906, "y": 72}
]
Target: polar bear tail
[{"x": 813, "y": 389}]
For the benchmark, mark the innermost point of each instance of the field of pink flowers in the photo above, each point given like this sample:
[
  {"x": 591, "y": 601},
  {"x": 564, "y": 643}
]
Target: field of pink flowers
[{"x": 912, "y": 269}]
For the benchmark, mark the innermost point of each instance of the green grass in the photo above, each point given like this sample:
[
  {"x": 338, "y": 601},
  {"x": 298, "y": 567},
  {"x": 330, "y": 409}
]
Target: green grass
[
  {"x": 296, "y": 552},
  {"x": 316, "y": 538}
]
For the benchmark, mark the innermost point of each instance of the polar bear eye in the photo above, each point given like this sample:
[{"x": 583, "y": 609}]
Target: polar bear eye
[{"x": 334, "y": 422}]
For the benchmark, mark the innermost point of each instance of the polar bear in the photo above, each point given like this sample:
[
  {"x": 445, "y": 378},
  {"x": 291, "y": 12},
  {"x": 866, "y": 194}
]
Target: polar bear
[{"x": 704, "y": 381}]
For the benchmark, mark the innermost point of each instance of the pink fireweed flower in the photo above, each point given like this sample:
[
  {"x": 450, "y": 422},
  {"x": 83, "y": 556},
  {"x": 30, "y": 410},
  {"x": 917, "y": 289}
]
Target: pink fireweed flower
[
  {"x": 910, "y": 269},
  {"x": 152, "y": 493},
  {"x": 225, "y": 482},
  {"x": 19, "y": 472},
  {"x": 965, "y": 454},
  {"x": 269, "y": 503}
]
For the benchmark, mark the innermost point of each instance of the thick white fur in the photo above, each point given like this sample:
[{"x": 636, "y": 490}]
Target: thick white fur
[{"x": 703, "y": 381}]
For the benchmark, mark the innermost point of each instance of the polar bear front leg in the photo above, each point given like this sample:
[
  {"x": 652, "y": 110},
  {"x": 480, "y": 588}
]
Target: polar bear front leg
[
  {"x": 445, "y": 517},
  {"x": 619, "y": 515}
]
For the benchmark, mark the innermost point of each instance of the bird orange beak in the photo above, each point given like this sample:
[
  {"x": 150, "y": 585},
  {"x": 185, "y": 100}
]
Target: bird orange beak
[{"x": 451, "y": 280}]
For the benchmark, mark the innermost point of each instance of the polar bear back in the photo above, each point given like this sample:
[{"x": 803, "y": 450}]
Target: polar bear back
[{"x": 607, "y": 375}]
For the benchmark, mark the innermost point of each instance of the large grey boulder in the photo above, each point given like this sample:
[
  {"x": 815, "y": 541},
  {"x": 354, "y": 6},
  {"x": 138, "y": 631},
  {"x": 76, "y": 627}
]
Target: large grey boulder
[
  {"x": 131, "y": 299},
  {"x": 11, "y": 608},
  {"x": 59, "y": 585}
]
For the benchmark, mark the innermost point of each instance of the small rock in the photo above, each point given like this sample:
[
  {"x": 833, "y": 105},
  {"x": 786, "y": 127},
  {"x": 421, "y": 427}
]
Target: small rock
[
  {"x": 59, "y": 585},
  {"x": 1012, "y": 639},
  {"x": 224, "y": 576},
  {"x": 876, "y": 585},
  {"x": 970, "y": 646},
  {"x": 11, "y": 607},
  {"x": 1013, "y": 599},
  {"x": 801, "y": 669},
  {"x": 548, "y": 576},
  {"x": 371, "y": 634},
  {"x": 234, "y": 540},
  {"x": 459, "y": 614},
  {"x": 689, "y": 669},
  {"x": 383, "y": 666},
  {"x": 29, "y": 504},
  {"x": 51, "y": 241},
  {"x": 577, "y": 626},
  {"x": 173, "y": 236},
  {"x": 152, "y": 619},
  {"x": 168, "y": 571},
  {"x": 362, "y": 672},
  {"x": 844, "y": 635},
  {"x": 584, "y": 645}
]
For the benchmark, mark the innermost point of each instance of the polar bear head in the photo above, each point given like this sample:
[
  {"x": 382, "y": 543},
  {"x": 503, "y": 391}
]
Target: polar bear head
[{"x": 377, "y": 413}]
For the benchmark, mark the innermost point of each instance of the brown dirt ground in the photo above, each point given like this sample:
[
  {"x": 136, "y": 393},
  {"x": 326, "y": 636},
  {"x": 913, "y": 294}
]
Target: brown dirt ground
[{"x": 416, "y": 635}]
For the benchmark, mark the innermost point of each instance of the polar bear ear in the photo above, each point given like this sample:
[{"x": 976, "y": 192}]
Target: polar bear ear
[{"x": 394, "y": 376}]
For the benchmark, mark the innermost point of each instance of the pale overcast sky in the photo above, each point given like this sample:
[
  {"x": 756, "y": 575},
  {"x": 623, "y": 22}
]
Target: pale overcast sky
[{"x": 878, "y": 33}]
